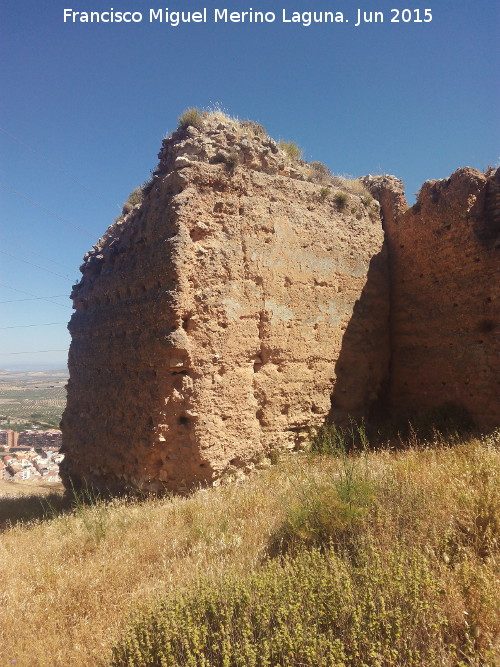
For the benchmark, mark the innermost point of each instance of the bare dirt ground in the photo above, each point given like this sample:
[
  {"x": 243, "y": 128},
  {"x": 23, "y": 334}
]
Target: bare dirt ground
[{"x": 14, "y": 489}]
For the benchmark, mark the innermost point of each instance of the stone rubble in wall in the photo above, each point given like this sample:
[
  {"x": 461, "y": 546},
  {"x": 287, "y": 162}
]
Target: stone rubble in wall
[{"x": 218, "y": 142}]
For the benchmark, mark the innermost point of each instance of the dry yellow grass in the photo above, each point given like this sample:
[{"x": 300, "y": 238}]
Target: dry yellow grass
[
  {"x": 69, "y": 583},
  {"x": 351, "y": 185}
]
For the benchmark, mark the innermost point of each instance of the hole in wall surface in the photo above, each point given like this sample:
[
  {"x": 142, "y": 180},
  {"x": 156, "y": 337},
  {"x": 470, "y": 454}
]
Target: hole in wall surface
[{"x": 486, "y": 325}]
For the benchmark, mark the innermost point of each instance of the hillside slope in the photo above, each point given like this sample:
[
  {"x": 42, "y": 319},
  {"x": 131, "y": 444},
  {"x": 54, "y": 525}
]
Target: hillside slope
[{"x": 70, "y": 582}]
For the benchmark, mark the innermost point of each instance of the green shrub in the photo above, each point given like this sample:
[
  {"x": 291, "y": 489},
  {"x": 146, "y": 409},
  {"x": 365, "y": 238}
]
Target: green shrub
[
  {"x": 339, "y": 440},
  {"x": 274, "y": 456},
  {"x": 314, "y": 609},
  {"x": 329, "y": 516},
  {"x": 323, "y": 193},
  {"x": 191, "y": 117},
  {"x": 134, "y": 198},
  {"x": 341, "y": 199},
  {"x": 291, "y": 149}
]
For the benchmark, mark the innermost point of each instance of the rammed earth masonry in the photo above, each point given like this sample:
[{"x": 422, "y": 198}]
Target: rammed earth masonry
[{"x": 242, "y": 302}]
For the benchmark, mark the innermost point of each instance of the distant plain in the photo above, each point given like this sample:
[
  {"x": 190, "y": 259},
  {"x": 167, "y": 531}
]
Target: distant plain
[{"x": 37, "y": 397}]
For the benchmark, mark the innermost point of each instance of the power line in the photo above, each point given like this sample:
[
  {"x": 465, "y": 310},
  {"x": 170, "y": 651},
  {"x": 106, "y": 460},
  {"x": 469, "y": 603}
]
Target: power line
[
  {"x": 46, "y": 210},
  {"x": 52, "y": 164},
  {"x": 32, "y": 252},
  {"x": 36, "y": 351},
  {"x": 14, "y": 289},
  {"x": 37, "y": 298},
  {"x": 24, "y": 326},
  {"x": 42, "y": 268}
]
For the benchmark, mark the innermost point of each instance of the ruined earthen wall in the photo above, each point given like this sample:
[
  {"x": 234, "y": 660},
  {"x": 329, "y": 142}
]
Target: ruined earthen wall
[
  {"x": 232, "y": 310},
  {"x": 445, "y": 294}
]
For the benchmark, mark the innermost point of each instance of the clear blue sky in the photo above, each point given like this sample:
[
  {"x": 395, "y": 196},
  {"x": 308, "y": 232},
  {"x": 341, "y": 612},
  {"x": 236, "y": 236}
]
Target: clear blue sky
[{"x": 91, "y": 102}]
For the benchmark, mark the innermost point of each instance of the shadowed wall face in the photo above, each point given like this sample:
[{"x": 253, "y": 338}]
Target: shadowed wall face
[
  {"x": 210, "y": 321},
  {"x": 445, "y": 296}
]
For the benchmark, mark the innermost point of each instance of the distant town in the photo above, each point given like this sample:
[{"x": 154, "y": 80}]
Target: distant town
[
  {"x": 30, "y": 455},
  {"x": 31, "y": 406}
]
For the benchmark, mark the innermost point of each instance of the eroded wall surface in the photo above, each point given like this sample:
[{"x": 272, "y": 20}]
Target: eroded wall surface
[
  {"x": 230, "y": 311},
  {"x": 445, "y": 293}
]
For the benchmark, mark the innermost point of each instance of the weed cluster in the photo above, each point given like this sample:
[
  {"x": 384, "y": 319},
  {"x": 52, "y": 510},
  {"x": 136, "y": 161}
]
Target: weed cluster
[
  {"x": 324, "y": 193},
  {"x": 319, "y": 173},
  {"x": 231, "y": 160},
  {"x": 313, "y": 609},
  {"x": 339, "y": 440},
  {"x": 291, "y": 150},
  {"x": 191, "y": 117},
  {"x": 341, "y": 199},
  {"x": 374, "y": 566},
  {"x": 352, "y": 557},
  {"x": 134, "y": 198},
  {"x": 255, "y": 128},
  {"x": 352, "y": 185}
]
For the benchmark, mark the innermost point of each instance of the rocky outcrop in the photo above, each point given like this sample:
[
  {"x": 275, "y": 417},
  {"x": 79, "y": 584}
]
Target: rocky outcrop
[
  {"x": 232, "y": 309},
  {"x": 445, "y": 293}
]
